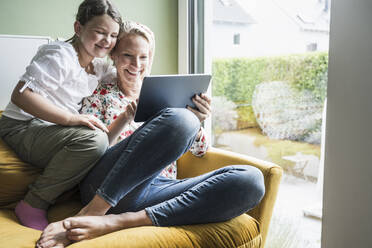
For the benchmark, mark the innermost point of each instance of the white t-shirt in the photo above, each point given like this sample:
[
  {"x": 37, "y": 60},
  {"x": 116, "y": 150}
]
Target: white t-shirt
[{"x": 55, "y": 73}]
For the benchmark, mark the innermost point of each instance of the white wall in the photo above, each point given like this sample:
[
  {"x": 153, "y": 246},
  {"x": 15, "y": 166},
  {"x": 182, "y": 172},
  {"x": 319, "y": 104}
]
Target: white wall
[
  {"x": 16, "y": 53},
  {"x": 347, "y": 214}
]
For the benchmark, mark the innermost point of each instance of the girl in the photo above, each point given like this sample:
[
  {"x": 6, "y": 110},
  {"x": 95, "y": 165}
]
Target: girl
[
  {"x": 126, "y": 181},
  {"x": 42, "y": 123}
]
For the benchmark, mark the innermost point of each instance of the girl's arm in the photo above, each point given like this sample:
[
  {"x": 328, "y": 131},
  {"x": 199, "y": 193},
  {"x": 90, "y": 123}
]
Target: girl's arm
[{"x": 42, "y": 108}]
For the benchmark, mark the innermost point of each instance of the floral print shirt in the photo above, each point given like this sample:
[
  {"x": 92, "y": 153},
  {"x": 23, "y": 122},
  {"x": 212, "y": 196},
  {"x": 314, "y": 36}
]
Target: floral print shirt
[{"x": 108, "y": 102}]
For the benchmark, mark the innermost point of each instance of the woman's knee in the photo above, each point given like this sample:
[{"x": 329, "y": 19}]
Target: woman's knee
[
  {"x": 182, "y": 120},
  {"x": 248, "y": 183}
]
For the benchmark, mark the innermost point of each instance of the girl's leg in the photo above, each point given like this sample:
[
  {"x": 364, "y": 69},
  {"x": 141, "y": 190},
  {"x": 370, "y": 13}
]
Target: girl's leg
[
  {"x": 65, "y": 153},
  {"x": 137, "y": 160}
]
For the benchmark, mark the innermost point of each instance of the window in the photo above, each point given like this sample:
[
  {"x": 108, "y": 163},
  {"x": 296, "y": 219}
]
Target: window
[
  {"x": 237, "y": 39},
  {"x": 311, "y": 47},
  {"x": 268, "y": 100}
]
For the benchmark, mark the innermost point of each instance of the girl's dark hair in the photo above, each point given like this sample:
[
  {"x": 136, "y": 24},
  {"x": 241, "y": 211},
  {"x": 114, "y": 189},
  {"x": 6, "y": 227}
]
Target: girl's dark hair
[{"x": 91, "y": 8}]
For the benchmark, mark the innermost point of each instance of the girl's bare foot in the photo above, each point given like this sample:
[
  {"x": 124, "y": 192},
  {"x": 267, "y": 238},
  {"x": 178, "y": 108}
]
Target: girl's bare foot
[{"x": 87, "y": 227}]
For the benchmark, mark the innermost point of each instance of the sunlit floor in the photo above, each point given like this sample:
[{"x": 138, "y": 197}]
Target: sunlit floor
[{"x": 289, "y": 227}]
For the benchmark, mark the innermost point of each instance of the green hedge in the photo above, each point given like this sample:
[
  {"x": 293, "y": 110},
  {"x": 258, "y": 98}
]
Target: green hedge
[{"x": 236, "y": 78}]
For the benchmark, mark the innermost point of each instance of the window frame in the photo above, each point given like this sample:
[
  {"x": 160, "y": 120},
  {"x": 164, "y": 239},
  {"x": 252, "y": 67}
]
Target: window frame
[{"x": 194, "y": 29}]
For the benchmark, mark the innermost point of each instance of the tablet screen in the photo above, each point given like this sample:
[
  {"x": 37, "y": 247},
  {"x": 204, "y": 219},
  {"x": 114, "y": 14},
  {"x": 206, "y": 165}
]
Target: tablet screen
[{"x": 169, "y": 91}]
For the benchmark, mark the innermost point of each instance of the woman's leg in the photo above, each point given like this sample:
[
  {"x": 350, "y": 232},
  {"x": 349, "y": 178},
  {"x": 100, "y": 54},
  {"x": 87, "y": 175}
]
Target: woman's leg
[
  {"x": 213, "y": 197},
  {"x": 129, "y": 165},
  {"x": 139, "y": 158}
]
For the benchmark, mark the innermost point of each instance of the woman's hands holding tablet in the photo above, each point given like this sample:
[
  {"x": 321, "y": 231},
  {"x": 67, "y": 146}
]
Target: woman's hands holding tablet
[{"x": 203, "y": 106}]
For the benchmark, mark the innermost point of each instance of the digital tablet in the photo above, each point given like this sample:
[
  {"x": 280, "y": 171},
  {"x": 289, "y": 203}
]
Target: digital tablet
[{"x": 164, "y": 91}]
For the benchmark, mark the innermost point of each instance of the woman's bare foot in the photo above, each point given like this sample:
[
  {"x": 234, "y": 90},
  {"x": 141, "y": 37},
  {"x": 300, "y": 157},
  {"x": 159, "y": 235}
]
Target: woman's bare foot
[
  {"x": 89, "y": 224},
  {"x": 96, "y": 207},
  {"x": 54, "y": 235},
  {"x": 87, "y": 227}
]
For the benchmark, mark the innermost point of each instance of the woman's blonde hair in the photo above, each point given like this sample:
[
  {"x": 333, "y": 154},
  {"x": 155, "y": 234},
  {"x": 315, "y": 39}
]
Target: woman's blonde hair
[{"x": 131, "y": 27}]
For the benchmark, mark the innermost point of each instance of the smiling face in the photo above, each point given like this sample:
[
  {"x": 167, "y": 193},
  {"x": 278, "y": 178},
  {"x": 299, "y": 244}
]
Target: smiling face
[
  {"x": 97, "y": 37},
  {"x": 131, "y": 57}
]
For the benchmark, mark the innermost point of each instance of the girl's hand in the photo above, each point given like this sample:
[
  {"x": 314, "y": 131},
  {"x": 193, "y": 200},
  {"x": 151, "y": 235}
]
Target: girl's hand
[
  {"x": 203, "y": 106},
  {"x": 87, "y": 120}
]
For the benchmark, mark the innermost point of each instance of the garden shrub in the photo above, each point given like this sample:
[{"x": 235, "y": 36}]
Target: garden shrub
[
  {"x": 224, "y": 116},
  {"x": 236, "y": 78}
]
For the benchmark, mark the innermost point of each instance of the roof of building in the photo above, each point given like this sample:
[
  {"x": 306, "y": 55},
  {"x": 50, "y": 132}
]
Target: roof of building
[
  {"x": 308, "y": 15},
  {"x": 229, "y": 11}
]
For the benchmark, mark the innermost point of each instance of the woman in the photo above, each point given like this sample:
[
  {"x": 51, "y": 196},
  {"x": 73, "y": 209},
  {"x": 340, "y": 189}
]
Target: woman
[{"x": 126, "y": 183}]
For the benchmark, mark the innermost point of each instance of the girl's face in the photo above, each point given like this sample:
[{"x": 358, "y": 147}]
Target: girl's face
[
  {"x": 131, "y": 58},
  {"x": 98, "y": 36}
]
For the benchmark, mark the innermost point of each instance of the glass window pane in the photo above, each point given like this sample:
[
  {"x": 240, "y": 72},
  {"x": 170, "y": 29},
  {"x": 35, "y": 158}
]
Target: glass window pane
[{"x": 268, "y": 100}]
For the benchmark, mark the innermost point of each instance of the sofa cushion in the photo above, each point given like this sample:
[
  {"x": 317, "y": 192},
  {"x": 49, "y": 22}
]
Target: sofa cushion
[
  {"x": 242, "y": 232},
  {"x": 15, "y": 176}
]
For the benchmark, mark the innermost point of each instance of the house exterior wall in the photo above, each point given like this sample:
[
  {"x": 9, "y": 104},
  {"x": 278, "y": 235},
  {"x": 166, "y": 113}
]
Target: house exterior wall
[
  {"x": 274, "y": 33},
  {"x": 223, "y": 37},
  {"x": 263, "y": 40}
]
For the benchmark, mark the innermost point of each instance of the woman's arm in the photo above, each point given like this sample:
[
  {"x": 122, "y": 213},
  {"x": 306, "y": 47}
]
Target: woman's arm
[
  {"x": 121, "y": 121},
  {"x": 42, "y": 108},
  {"x": 202, "y": 111},
  {"x": 200, "y": 145}
]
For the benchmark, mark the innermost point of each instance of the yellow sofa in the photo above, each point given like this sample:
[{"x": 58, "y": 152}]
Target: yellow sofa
[{"x": 246, "y": 231}]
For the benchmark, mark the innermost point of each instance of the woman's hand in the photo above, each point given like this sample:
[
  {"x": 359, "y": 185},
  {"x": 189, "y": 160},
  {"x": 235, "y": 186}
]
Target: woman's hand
[
  {"x": 123, "y": 119},
  {"x": 203, "y": 106},
  {"x": 130, "y": 110},
  {"x": 86, "y": 120}
]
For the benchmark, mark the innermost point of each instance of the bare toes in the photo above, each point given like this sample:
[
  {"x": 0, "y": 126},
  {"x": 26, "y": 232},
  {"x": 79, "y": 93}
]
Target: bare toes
[
  {"x": 77, "y": 237},
  {"x": 75, "y": 231},
  {"x": 73, "y": 223},
  {"x": 58, "y": 246},
  {"x": 47, "y": 244}
]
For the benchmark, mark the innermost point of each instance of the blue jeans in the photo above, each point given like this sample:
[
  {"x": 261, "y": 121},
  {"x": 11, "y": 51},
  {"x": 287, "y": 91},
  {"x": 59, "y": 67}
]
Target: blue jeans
[{"x": 127, "y": 177}]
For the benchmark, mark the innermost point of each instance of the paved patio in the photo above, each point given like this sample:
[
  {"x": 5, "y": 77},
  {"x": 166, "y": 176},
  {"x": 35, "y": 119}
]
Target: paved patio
[{"x": 290, "y": 228}]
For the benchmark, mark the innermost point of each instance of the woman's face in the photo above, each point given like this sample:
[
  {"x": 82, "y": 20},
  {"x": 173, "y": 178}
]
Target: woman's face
[
  {"x": 131, "y": 57},
  {"x": 98, "y": 36}
]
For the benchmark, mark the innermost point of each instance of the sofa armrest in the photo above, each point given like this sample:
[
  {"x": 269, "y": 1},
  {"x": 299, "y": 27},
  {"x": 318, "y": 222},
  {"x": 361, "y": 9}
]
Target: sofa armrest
[{"x": 189, "y": 166}]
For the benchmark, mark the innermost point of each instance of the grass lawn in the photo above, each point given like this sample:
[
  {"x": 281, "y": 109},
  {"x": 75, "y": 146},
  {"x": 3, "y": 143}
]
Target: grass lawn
[{"x": 276, "y": 149}]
